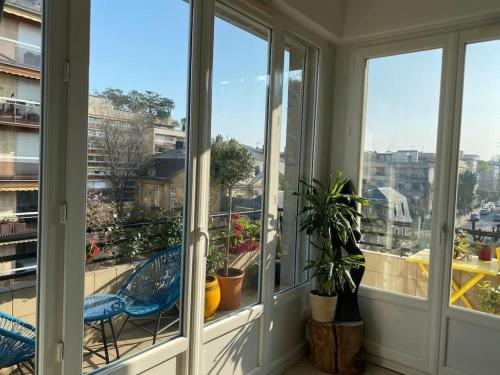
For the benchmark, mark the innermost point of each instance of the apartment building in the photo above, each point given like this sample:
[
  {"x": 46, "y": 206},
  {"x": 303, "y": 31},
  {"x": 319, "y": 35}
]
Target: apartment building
[{"x": 20, "y": 61}]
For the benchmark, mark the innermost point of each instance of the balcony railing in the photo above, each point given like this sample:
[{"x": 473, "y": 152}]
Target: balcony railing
[
  {"x": 19, "y": 112},
  {"x": 15, "y": 168},
  {"x": 32, "y": 5},
  {"x": 21, "y": 54}
]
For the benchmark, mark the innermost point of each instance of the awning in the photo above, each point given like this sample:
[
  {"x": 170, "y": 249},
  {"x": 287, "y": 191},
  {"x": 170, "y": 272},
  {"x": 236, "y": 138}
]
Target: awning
[
  {"x": 23, "y": 14},
  {"x": 22, "y": 72},
  {"x": 18, "y": 186}
]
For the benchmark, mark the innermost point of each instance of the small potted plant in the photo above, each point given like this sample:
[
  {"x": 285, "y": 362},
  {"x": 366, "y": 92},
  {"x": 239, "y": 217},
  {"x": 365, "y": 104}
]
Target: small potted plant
[
  {"x": 326, "y": 220},
  {"x": 230, "y": 163},
  {"x": 490, "y": 298},
  {"x": 215, "y": 262},
  {"x": 253, "y": 271},
  {"x": 461, "y": 246},
  {"x": 486, "y": 250},
  {"x": 6, "y": 224}
]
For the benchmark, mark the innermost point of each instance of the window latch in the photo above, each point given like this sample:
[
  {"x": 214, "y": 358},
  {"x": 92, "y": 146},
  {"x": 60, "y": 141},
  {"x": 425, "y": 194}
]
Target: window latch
[{"x": 203, "y": 232}]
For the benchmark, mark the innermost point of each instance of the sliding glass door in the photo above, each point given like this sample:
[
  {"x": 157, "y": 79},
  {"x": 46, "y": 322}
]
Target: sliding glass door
[{"x": 136, "y": 177}]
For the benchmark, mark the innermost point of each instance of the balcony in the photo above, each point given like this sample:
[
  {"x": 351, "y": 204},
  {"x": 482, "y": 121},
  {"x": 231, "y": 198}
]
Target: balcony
[
  {"x": 31, "y": 5},
  {"x": 15, "y": 168},
  {"x": 19, "y": 112},
  {"x": 21, "y": 54}
]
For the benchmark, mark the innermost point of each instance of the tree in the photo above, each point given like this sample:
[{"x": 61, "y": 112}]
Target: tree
[
  {"x": 125, "y": 153},
  {"x": 149, "y": 103},
  {"x": 466, "y": 184},
  {"x": 230, "y": 163}
]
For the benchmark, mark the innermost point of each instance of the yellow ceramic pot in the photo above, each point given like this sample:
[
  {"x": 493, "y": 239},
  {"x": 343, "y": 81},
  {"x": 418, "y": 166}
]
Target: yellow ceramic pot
[{"x": 212, "y": 296}]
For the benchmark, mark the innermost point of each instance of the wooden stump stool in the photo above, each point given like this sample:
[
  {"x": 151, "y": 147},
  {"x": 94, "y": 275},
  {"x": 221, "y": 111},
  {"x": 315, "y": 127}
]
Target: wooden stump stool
[{"x": 337, "y": 348}]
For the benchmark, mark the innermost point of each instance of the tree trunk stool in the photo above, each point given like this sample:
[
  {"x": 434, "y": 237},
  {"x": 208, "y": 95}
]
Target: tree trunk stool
[{"x": 337, "y": 348}]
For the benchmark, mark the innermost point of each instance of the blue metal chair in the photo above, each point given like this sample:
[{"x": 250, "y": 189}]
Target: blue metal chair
[
  {"x": 17, "y": 342},
  {"x": 153, "y": 288}
]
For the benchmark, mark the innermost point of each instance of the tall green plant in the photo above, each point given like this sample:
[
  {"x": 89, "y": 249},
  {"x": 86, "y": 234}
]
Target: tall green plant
[{"x": 328, "y": 218}]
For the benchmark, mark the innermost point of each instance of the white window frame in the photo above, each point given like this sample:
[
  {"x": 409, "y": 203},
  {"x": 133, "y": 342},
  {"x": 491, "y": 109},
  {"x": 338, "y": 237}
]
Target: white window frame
[{"x": 62, "y": 212}]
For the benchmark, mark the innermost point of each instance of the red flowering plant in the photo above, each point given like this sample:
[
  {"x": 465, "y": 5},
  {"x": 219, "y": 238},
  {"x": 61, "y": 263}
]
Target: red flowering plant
[{"x": 245, "y": 235}]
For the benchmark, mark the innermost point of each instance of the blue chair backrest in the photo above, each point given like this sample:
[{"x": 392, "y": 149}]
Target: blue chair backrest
[
  {"x": 17, "y": 340},
  {"x": 156, "y": 281}
]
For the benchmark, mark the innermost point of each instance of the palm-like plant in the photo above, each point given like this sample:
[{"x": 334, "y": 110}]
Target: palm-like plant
[{"x": 328, "y": 217}]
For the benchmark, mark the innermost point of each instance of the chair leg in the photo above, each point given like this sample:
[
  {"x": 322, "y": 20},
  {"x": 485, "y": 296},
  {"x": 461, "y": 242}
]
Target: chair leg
[
  {"x": 106, "y": 354},
  {"x": 123, "y": 325},
  {"x": 114, "y": 338},
  {"x": 157, "y": 327}
]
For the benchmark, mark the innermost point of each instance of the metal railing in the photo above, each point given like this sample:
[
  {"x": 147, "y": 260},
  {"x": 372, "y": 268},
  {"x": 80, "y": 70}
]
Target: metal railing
[
  {"x": 21, "y": 54},
  {"x": 33, "y": 5},
  {"x": 21, "y": 112}
]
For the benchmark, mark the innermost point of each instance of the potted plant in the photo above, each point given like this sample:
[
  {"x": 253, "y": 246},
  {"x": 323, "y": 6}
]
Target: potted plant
[
  {"x": 6, "y": 224},
  {"x": 461, "y": 246},
  {"x": 230, "y": 163},
  {"x": 490, "y": 297},
  {"x": 485, "y": 251},
  {"x": 326, "y": 218},
  {"x": 215, "y": 261},
  {"x": 246, "y": 235}
]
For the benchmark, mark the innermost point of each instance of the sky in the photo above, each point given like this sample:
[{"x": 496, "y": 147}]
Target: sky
[
  {"x": 146, "y": 48},
  {"x": 403, "y": 101}
]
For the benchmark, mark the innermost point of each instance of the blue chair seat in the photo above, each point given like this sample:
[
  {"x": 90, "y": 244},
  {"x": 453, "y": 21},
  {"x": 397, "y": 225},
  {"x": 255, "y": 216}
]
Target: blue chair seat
[
  {"x": 102, "y": 307},
  {"x": 17, "y": 341}
]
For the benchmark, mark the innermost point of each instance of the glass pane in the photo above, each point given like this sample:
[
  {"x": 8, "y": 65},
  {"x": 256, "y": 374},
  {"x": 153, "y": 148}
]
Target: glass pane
[
  {"x": 239, "y": 106},
  {"x": 136, "y": 176},
  {"x": 295, "y": 161},
  {"x": 20, "y": 60},
  {"x": 475, "y": 267},
  {"x": 402, "y": 105}
]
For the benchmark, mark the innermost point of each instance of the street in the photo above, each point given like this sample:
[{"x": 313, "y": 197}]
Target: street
[{"x": 486, "y": 222}]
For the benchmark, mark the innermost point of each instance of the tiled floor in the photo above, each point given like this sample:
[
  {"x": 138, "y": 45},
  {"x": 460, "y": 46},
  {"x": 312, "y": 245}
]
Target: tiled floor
[{"x": 304, "y": 367}]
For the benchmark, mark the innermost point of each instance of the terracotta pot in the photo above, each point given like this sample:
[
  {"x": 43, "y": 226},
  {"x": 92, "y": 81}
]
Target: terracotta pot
[
  {"x": 485, "y": 253},
  {"x": 212, "y": 297},
  {"x": 322, "y": 307},
  {"x": 6, "y": 228},
  {"x": 19, "y": 227},
  {"x": 230, "y": 289}
]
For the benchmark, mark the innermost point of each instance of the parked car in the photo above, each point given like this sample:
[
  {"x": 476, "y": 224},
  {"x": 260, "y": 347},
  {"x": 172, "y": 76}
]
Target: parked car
[
  {"x": 475, "y": 216},
  {"x": 484, "y": 211},
  {"x": 496, "y": 217}
]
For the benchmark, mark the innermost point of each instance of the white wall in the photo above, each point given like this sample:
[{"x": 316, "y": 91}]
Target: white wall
[{"x": 365, "y": 18}]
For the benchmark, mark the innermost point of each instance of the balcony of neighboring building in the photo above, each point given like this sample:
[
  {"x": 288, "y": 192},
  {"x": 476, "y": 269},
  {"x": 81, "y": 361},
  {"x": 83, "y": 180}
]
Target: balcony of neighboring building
[
  {"x": 13, "y": 169},
  {"x": 18, "y": 112},
  {"x": 17, "y": 53}
]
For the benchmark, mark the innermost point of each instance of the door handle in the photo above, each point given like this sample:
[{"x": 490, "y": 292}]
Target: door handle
[{"x": 203, "y": 232}]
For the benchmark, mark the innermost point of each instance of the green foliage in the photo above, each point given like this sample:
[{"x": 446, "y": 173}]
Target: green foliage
[
  {"x": 461, "y": 246},
  {"x": 466, "y": 184},
  {"x": 490, "y": 297},
  {"x": 215, "y": 259},
  {"x": 230, "y": 163},
  {"x": 326, "y": 217},
  {"x": 148, "y": 102}
]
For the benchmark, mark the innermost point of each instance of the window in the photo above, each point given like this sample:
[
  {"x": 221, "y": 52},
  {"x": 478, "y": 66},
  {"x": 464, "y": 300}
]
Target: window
[
  {"x": 402, "y": 104},
  {"x": 477, "y": 221},
  {"x": 239, "y": 116},
  {"x": 20, "y": 43},
  {"x": 295, "y": 159},
  {"x": 134, "y": 238}
]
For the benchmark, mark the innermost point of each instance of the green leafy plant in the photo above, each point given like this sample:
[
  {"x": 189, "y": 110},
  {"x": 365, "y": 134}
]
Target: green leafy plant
[
  {"x": 230, "y": 163},
  {"x": 215, "y": 259},
  {"x": 490, "y": 297},
  {"x": 328, "y": 219},
  {"x": 461, "y": 246}
]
